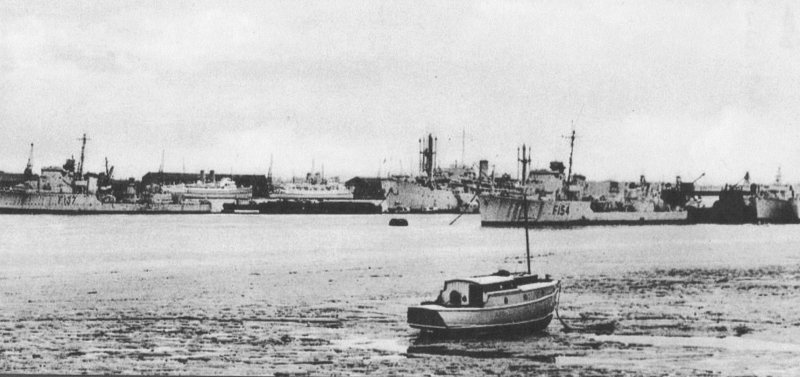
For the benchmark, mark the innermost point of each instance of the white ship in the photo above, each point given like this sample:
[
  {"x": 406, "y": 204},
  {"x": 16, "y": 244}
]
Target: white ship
[
  {"x": 224, "y": 189},
  {"x": 313, "y": 187}
]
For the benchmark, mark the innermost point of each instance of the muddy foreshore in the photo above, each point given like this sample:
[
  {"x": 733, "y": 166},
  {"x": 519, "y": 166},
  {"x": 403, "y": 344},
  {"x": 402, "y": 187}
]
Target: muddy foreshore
[{"x": 344, "y": 314}]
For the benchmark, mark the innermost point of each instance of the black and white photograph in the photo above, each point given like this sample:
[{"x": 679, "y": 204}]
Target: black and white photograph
[{"x": 400, "y": 188}]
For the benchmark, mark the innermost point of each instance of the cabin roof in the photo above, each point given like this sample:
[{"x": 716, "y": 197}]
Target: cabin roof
[{"x": 485, "y": 280}]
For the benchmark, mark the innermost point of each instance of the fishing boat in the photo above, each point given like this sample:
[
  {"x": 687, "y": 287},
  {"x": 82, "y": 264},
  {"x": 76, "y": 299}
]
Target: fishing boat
[{"x": 499, "y": 301}]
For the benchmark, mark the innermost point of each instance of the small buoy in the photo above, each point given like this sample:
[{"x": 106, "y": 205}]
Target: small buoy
[{"x": 398, "y": 222}]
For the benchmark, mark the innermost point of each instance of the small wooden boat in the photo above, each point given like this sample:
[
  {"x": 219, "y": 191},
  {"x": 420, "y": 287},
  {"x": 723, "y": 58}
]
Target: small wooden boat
[{"x": 493, "y": 302}]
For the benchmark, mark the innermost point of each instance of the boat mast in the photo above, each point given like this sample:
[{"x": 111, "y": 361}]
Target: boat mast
[{"x": 525, "y": 160}]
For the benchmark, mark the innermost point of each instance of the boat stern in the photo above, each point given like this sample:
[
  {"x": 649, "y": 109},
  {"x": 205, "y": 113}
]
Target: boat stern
[{"x": 425, "y": 318}]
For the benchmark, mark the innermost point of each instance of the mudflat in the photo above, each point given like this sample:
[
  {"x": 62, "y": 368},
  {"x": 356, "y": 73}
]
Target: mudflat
[{"x": 327, "y": 295}]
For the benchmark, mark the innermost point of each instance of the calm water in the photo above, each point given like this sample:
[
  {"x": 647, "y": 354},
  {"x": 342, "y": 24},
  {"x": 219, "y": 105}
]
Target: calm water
[{"x": 250, "y": 294}]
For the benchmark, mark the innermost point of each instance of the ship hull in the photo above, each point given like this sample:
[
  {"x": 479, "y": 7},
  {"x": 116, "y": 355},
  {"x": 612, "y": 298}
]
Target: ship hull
[
  {"x": 734, "y": 209},
  {"x": 779, "y": 211},
  {"x": 239, "y": 194},
  {"x": 499, "y": 211},
  {"x": 78, "y": 204},
  {"x": 411, "y": 197},
  {"x": 309, "y": 207}
]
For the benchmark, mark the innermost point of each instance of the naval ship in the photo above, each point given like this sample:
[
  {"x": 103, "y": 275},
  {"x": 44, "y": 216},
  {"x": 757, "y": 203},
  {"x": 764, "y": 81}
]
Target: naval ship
[
  {"x": 67, "y": 190},
  {"x": 555, "y": 200}
]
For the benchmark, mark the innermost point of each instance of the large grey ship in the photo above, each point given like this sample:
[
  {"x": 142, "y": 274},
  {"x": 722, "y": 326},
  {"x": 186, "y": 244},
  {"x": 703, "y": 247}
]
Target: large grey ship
[
  {"x": 426, "y": 193},
  {"x": 552, "y": 199},
  {"x": 67, "y": 190}
]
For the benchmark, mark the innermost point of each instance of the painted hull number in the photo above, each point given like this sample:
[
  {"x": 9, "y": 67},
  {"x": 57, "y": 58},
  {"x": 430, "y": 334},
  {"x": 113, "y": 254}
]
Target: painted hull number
[{"x": 561, "y": 209}]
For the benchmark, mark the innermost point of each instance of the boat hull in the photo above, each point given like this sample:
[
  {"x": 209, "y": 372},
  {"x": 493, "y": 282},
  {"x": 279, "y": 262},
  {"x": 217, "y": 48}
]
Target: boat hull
[
  {"x": 533, "y": 315},
  {"x": 501, "y": 211}
]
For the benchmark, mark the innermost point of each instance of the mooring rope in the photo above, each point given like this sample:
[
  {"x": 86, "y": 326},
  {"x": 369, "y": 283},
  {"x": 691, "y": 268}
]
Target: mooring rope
[{"x": 567, "y": 327}]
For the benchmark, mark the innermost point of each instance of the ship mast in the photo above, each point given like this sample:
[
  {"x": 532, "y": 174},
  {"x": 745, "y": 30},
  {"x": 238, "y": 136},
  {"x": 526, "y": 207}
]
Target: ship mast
[
  {"x": 83, "y": 150},
  {"x": 29, "y": 167},
  {"x": 463, "y": 142},
  {"x": 571, "y": 149},
  {"x": 427, "y": 163},
  {"x": 161, "y": 168},
  {"x": 525, "y": 160}
]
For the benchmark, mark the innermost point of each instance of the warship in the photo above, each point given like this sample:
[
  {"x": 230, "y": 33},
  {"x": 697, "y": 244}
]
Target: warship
[
  {"x": 67, "y": 190},
  {"x": 570, "y": 200}
]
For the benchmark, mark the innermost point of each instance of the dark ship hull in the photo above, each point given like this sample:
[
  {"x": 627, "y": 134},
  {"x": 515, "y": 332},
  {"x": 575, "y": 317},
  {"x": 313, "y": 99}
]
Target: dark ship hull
[
  {"x": 79, "y": 204},
  {"x": 738, "y": 208},
  {"x": 306, "y": 207}
]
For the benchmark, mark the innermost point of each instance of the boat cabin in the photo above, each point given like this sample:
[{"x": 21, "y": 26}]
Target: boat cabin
[{"x": 475, "y": 291}]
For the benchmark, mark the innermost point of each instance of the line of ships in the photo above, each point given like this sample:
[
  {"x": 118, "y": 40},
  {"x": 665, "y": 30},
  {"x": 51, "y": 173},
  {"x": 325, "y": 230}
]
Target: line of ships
[{"x": 548, "y": 197}]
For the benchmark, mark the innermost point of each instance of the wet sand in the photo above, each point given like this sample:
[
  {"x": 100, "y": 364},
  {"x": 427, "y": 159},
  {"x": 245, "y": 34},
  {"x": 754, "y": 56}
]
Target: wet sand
[{"x": 326, "y": 295}]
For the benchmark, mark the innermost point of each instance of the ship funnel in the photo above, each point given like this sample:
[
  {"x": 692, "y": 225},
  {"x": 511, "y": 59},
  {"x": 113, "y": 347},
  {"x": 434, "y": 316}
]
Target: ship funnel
[
  {"x": 203, "y": 176},
  {"x": 483, "y": 169},
  {"x": 213, "y": 176}
]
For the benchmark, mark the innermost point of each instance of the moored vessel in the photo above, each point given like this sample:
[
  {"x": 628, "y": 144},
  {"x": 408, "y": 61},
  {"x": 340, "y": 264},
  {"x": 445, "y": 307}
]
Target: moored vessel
[
  {"x": 560, "y": 200},
  {"x": 67, "y": 190},
  {"x": 223, "y": 189},
  {"x": 751, "y": 203},
  {"x": 492, "y": 302}
]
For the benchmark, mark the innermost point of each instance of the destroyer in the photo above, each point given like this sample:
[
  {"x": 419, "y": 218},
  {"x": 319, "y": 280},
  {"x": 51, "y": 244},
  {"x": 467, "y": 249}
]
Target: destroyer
[{"x": 67, "y": 190}]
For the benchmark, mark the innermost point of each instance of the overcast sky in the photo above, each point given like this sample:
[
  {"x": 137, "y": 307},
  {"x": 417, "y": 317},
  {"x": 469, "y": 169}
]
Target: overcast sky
[{"x": 659, "y": 88}]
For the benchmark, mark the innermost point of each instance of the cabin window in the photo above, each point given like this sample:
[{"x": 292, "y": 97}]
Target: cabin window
[{"x": 505, "y": 300}]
